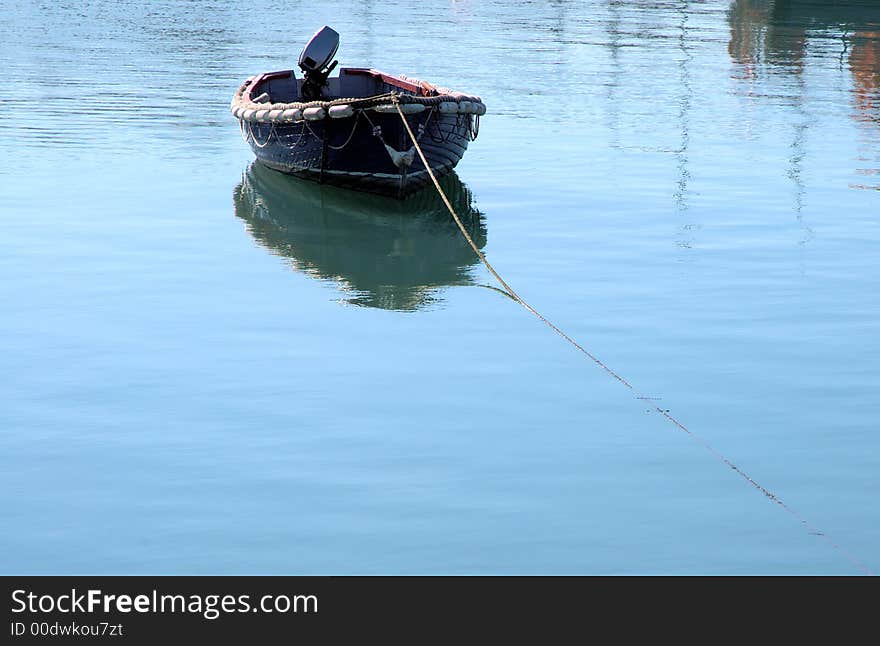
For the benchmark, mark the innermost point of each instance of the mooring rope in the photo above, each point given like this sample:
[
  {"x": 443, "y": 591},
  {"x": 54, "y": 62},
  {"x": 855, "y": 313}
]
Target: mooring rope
[{"x": 508, "y": 290}]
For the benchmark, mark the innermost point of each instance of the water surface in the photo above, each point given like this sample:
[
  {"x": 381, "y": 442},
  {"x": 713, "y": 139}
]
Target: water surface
[{"x": 208, "y": 368}]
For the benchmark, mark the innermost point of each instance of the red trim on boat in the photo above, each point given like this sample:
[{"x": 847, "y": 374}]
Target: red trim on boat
[{"x": 262, "y": 78}]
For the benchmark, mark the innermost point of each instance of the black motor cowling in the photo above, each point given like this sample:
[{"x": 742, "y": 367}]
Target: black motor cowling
[{"x": 315, "y": 62}]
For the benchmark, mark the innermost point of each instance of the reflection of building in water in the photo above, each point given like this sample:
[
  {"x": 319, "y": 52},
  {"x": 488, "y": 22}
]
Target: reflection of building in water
[
  {"x": 864, "y": 61},
  {"x": 760, "y": 33},
  {"x": 394, "y": 255},
  {"x": 775, "y": 33}
]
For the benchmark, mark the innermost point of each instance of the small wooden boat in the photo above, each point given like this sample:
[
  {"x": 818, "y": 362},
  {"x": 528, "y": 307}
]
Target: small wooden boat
[
  {"x": 394, "y": 255},
  {"x": 346, "y": 130}
]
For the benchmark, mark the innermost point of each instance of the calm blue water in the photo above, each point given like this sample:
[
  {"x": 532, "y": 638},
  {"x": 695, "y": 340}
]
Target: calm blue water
[{"x": 205, "y": 371}]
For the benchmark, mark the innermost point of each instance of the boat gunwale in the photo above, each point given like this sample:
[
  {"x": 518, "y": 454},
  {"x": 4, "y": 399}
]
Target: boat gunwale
[{"x": 244, "y": 106}]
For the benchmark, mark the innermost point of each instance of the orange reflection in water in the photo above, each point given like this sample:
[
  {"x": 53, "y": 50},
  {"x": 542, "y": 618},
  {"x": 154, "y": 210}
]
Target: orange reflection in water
[
  {"x": 864, "y": 63},
  {"x": 776, "y": 33}
]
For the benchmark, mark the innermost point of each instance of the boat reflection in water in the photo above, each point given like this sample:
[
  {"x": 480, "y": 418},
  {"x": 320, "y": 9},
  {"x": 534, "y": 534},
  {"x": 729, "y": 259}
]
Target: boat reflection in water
[{"x": 395, "y": 255}]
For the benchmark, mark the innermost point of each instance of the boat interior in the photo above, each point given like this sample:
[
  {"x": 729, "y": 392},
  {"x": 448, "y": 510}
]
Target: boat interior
[
  {"x": 317, "y": 61},
  {"x": 353, "y": 82}
]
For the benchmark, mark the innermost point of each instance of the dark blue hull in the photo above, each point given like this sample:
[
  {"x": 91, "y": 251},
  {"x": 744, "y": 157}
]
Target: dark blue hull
[{"x": 353, "y": 152}]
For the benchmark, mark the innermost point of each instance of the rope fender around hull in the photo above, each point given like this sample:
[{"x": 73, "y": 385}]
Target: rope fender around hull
[{"x": 259, "y": 109}]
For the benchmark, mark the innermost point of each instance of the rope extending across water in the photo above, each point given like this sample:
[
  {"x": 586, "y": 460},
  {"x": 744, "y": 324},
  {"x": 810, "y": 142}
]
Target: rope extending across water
[{"x": 508, "y": 290}]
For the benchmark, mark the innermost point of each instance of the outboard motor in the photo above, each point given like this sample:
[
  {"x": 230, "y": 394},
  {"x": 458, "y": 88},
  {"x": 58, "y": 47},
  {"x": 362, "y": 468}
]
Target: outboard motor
[{"x": 315, "y": 59}]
